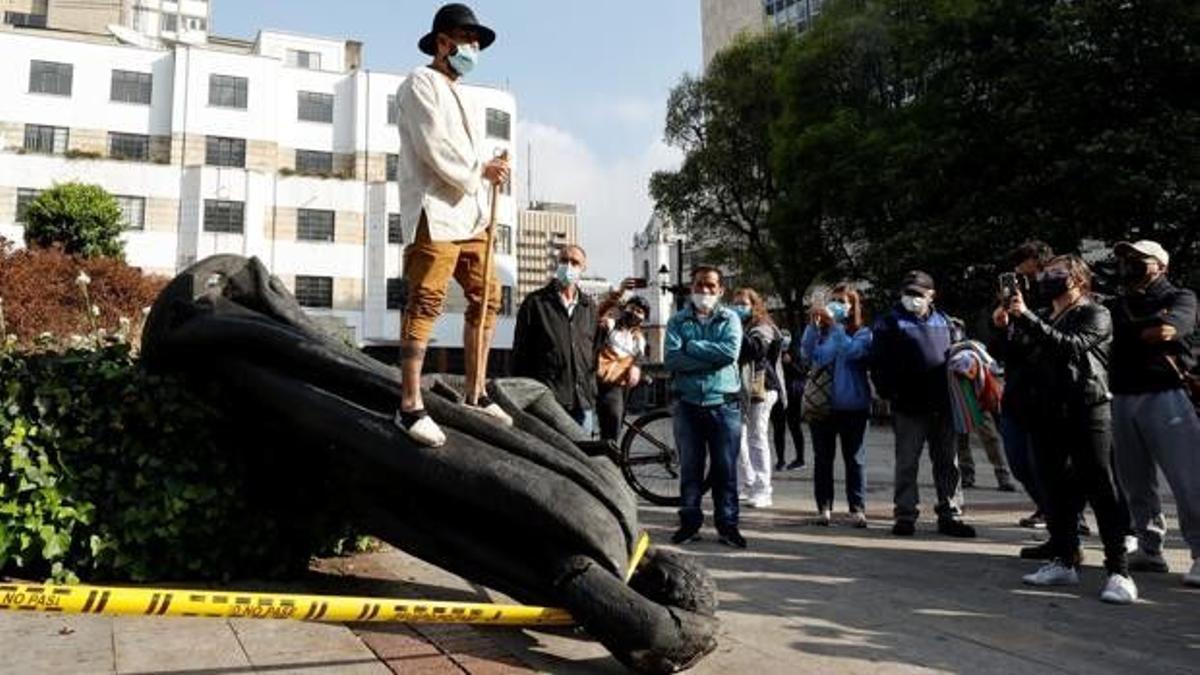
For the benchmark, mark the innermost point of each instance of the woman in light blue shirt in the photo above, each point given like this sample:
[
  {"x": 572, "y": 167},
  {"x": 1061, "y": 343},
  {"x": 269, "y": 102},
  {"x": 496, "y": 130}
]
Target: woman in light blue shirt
[{"x": 839, "y": 338}]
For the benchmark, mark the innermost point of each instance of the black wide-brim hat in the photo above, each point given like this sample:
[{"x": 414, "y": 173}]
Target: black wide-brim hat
[{"x": 454, "y": 16}]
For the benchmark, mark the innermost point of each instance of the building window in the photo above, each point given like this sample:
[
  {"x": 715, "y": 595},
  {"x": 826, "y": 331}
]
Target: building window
[
  {"x": 226, "y": 91},
  {"x": 129, "y": 146},
  {"x": 170, "y": 23},
  {"x": 314, "y": 163},
  {"x": 47, "y": 140},
  {"x": 314, "y": 225},
  {"x": 396, "y": 293},
  {"x": 25, "y": 19},
  {"x": 314, "y": 291},
  {"x": 506, "y": 301},
  {"x": 393, "y": 113},
  {"x": 298, "y": 58},
  {"x": 48, "y": 77},
  {"x": 393, "y": 167},
  {"x": 133, "y": 212},
  {"x": 24, "y": 197},
  {"x": 220, "y": 151},
  {"x": 499, "y": 124},
  {"x": 395, "y": 232},
  {"x": 646, "y": 270},
  {"x": 196, "y": 23},
  {"x": 224, "y": 216},
  {"x": 130, "y": 87},
  {"x": 503, "y": 239},
  {"x": 314, "y": 107}
]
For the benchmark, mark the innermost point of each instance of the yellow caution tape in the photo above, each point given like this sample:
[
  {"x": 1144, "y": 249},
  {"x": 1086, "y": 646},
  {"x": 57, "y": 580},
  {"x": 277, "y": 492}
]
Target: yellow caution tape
[
  {"x": 238, "y": 605},
  {"x": 639, "y": 550},
  {"x": 114, "y": 601}
]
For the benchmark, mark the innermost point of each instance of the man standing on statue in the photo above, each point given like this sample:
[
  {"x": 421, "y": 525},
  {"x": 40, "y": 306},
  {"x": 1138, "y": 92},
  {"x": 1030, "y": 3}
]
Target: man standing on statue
[{"x": 443, "y": 205}]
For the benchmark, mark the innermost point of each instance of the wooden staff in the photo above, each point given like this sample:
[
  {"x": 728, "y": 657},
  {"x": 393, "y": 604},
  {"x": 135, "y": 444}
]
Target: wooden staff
[{"x": 481, "y": 346}]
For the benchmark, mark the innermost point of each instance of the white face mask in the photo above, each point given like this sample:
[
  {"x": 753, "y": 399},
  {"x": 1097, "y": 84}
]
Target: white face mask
[
  {"x": 705, "y": 302},
  {"x": 915, "y": 305}
]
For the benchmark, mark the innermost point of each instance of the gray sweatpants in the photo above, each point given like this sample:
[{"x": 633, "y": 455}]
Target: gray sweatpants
[
  {"x": 1152, "y": 431},
  {"x": 912, "y": 432}
]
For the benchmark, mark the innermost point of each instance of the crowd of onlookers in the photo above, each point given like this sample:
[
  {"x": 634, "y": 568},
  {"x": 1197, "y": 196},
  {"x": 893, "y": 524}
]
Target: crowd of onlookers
[{"x": 1082, "y": 399}]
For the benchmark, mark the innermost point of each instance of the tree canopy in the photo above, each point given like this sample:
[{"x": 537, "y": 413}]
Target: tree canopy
[{"x": 83, "y": 219}]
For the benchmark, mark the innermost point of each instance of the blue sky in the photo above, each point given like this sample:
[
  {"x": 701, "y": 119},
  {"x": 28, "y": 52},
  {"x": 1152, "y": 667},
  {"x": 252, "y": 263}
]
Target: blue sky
[{"x": 591, "y": 81}]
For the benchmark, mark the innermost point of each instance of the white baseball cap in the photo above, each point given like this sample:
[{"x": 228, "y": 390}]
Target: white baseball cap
[{"x": 1146, "y": 249}]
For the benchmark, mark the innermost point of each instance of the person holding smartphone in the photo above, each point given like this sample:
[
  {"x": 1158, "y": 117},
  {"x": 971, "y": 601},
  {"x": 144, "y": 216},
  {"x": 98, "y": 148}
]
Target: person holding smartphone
[
  {"x": 1068, "y": 346},
  {"x": 838, "y": 337}
]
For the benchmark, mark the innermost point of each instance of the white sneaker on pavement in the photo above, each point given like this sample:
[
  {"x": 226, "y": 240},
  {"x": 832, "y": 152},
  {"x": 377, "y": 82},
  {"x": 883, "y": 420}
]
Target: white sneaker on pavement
[
  {"x": 1192, "y": 578},
  {"x": 1053, "y": 573},
  {"x": 825, "y": 518},
  {"x": 762, "y": 500},
  {"x": 423, "y": 430},
  {"x": 1119, "y": 590},
  {"x": 1131, "y": 544},
  {"x": 858, "y": 519}
]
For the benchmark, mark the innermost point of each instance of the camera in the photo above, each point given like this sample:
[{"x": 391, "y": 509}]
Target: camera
[{"x": 1010, "y": 285}]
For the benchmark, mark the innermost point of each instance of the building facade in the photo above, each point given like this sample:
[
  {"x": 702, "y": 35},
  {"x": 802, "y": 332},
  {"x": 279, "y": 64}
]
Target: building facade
[
  {"x": 722, "y": 21},
  {"x": 662, "y": 258},
  {"x": 543, "y": 229},
  {"x": 281, "y": 148}
]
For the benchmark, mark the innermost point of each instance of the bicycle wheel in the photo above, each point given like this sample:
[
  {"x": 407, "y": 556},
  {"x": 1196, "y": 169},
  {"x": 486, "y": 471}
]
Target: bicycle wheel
[{"x": 650, "y": 460}]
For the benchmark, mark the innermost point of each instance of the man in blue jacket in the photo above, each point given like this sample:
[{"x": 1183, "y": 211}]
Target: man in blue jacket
[
  {"x": 908, "y": 366},
  {"x": 702, "y": 345}
]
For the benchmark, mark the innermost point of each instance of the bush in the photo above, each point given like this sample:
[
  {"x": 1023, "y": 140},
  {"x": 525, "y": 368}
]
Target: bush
[
  {"x": 108, "y": 472},
  {"x": 82, "y": 219},
  {"x": 39, "y": 293}
]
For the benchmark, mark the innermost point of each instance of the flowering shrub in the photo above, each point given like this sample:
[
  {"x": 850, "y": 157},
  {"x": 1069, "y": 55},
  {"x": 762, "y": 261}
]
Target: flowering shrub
[{"x": 41, "y": 294}]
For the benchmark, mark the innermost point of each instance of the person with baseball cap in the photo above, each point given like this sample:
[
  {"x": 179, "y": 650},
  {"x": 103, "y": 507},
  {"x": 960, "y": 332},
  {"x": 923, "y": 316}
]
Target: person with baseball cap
[
  {"x": 1154, "y": 423},
  {"x": 443, "y": 202},
  {"x": 908, "y": 366}
]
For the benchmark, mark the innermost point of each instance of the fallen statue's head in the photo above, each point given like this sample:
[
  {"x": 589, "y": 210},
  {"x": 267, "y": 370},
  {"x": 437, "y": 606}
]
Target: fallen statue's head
[{"x": 522, "y": 510}]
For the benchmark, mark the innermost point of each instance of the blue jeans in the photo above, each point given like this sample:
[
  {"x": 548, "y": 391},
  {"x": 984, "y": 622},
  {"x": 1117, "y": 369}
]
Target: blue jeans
[
  {"x": 1018, "y": 448},
  {"x": 851, "y": 427},
  {"x": 708, "y": 435}
]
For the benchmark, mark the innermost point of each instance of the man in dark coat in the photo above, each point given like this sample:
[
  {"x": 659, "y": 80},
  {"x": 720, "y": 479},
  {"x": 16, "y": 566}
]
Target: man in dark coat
[{"x": 555, "y": 339}]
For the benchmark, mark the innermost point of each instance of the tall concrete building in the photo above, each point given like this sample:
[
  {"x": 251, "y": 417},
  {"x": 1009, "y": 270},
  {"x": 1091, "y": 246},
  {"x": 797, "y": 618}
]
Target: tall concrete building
[
  {"x": 176, "y": 20},
  {"x": 281, "y": 147},
  {"x": 542, "y": 230},
  {"x": 724, "y": 20}
]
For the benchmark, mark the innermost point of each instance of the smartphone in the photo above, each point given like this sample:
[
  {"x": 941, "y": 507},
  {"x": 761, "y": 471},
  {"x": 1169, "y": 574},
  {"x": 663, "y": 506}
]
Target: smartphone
[
  {"x": 1009, "y": 286},
  {"x": 639, "y": 282}
]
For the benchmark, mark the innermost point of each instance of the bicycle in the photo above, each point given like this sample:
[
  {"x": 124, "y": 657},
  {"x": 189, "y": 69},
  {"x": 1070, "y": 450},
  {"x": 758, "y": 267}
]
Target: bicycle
[{"x": 648, "y": 457}]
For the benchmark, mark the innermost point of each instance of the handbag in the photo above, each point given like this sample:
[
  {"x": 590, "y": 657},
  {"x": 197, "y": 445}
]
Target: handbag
[{"x": 817, "y": 402}]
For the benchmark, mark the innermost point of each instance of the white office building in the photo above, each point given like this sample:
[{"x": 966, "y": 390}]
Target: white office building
[{"x": 282, "y": 148}]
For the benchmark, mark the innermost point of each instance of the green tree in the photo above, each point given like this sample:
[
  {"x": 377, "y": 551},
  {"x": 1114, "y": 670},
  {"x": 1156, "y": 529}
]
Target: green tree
[
  {"x": 939, "y": 134},
  {"x": 725, "y": 193},
  {"x": 83, "y": 219}
]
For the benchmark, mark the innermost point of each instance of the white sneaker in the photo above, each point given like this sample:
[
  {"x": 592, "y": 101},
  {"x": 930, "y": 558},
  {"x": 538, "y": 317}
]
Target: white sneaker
[
  {"x": 424, "y": 431},
  {"x": 1119, "y": 590},
  {"x": 760, "y": 501},
  {"x": 1131, "y": 544},
  {"x": 486, "y": 406},
  {"x": 1192, "y": 578},
  {"x": 1053, "y": 573},
  {"x": 825, "y": 518},
  {"x": 858, "y": 519}
]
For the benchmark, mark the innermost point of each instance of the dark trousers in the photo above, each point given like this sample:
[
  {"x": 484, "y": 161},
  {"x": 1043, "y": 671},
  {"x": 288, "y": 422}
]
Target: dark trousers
[
  {"x": 1018, "y": 449},
  {"x": 783, "y": 420},
  {"x": 1074, "y": 463},
  {"x": 851, "y": 428},
  {"x": 610, "y": 409},
  {"x": 912, "y": 432},
  {"x": 709, "y": 435}
]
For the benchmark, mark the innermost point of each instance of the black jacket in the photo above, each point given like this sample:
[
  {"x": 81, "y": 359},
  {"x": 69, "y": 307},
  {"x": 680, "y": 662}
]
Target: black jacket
[
  {"x": 1067, "y": 358},
  {"x": 1139, "y": 367},
  {"x": 557, "y": 350}
]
